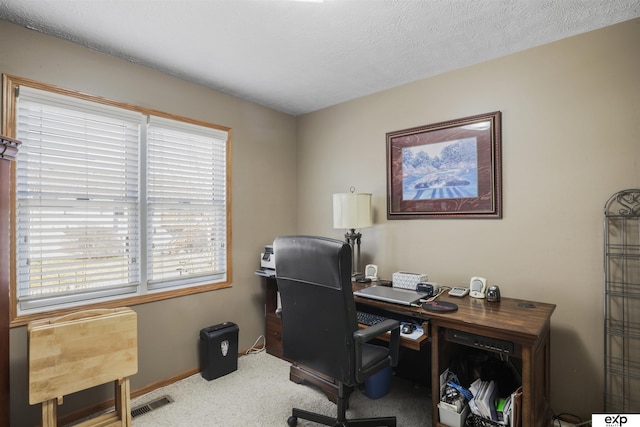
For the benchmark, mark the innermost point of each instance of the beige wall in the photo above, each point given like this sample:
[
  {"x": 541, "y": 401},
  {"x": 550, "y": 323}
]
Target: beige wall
[
  {"x": 571, "y": 138},
  {"x": 263, "y": 197}
]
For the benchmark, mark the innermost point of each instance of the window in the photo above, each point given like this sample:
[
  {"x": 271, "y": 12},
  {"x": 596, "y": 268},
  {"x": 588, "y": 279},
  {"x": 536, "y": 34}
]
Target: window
[
  {"x": 114, "y": 201},
  {"x": 186, "y": 204}
]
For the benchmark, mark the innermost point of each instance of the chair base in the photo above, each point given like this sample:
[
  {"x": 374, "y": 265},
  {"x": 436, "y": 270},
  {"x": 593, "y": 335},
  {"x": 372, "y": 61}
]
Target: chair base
[{"x": 335, "y": 422}]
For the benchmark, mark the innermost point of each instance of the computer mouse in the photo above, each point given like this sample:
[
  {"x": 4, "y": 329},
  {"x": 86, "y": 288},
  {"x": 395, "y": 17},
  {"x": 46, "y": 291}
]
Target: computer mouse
[{"x": 408, "y": 328}]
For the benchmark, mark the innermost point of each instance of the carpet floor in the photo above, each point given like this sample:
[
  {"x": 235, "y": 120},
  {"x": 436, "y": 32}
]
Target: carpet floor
[{"x": 259, "y": 393}]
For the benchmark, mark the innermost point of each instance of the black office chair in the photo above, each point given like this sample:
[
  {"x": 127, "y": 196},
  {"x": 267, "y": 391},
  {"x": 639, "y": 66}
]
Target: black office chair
[{"x": 319, "y": 323}]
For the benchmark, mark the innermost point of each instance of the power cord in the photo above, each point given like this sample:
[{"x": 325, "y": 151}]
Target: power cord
[
  {"x": 255, "y": 349},
  {"x": 566, "y": 419},
  {"x": 463, "y": 391}
]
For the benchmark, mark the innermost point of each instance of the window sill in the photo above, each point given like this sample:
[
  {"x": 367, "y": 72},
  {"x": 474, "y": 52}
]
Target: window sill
[{"x": 24, "y": 319}]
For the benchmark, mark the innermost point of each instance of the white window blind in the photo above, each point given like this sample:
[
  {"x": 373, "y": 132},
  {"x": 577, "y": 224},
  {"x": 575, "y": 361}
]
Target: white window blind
[
  {"x": 77, "y": 199},
  {"x": 111, "y": 202},
  {"x": 186, "y": 203}
]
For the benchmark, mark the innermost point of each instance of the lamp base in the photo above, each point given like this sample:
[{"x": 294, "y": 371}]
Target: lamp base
[{"x": 353, "y": 239}]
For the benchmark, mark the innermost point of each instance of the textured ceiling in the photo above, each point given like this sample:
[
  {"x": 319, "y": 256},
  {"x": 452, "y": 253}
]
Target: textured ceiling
[{"x": 301, "y": 56}]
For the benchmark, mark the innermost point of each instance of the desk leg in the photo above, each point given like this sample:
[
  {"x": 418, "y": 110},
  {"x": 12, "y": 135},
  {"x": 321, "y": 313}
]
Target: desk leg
[
  {"x": 50, "y": 413},
  {"x": 435, "y": 373},
  {"x": 527, "y": 388},
  {"x": 536, "y": 384}
]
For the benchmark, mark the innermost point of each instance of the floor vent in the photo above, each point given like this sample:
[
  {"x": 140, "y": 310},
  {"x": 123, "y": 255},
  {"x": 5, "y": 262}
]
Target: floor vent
[{"x": 151, "y": 406}]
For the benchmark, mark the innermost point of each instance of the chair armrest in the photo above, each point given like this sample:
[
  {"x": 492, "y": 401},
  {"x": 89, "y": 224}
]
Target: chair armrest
[
  {"x": 367, "y": 334},
  {"x": 373, "y": 331}
]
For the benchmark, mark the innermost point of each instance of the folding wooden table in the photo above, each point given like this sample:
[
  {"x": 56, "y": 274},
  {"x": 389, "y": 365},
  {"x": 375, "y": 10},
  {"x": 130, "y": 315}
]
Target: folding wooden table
[{"x": 79, "y": 351}]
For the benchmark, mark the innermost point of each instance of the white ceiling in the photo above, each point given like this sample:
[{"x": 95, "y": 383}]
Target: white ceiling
[{"x": 301, "y": 56}]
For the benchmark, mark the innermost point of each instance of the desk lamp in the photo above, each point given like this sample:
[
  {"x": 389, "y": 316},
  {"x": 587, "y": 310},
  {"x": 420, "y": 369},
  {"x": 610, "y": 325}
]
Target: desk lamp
[{"x": 352, "y": 211}]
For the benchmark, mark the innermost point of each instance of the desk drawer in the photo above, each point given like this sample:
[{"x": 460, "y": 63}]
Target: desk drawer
[{"x": 273, "y": 335}]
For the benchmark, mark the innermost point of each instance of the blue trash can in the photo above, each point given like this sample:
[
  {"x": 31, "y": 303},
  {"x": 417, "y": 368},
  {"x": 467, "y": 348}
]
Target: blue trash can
[{"x": 378, "y": 384}]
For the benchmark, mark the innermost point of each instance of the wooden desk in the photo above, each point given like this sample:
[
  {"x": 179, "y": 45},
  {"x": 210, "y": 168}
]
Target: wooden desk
[
  {"x": 528, "y": 329},
  {"x": 274, "y": 324},
  {"x": 509, "y": 320},
  {"x": 273, "y": 332}
]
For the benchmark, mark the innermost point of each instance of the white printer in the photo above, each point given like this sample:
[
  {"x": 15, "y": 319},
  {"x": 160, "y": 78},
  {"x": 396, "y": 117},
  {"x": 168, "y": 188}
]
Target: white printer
[
  {"x": 267, "y": 262},
  {"x": 268, "y": 258}
]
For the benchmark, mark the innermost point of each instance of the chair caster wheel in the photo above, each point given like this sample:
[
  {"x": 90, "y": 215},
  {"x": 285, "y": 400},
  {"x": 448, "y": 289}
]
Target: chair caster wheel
[{"x": 292, "y": 421}]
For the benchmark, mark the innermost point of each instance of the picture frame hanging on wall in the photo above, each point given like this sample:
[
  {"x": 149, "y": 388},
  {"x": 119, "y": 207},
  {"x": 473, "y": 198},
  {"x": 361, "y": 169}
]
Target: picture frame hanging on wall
[{"x": 451, "y": 169}]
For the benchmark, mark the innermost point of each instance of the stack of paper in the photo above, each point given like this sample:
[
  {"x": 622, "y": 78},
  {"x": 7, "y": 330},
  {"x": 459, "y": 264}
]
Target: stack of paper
[
  {"x": 487, "y": 404},
  {"x": 484, "y": 399}
]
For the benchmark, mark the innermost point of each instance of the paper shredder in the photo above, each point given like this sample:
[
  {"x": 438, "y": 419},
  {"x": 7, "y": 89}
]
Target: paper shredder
[{"x": 218, "y": 350}]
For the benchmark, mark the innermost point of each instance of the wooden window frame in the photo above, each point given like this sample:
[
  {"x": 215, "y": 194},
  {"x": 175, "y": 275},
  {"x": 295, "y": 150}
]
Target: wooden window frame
[{"x": 10, "y": 85}]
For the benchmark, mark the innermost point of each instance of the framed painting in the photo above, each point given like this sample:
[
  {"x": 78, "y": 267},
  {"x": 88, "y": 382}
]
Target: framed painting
[{"x": 450, "y": 169}]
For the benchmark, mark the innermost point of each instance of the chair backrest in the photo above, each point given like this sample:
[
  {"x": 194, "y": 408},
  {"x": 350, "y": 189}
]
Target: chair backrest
[{"x": 318, "y": 310}]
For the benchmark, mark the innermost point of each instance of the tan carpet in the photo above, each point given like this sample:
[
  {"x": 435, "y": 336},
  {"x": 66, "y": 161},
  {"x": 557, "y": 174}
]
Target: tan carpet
[{"x": 259, "y": 393}]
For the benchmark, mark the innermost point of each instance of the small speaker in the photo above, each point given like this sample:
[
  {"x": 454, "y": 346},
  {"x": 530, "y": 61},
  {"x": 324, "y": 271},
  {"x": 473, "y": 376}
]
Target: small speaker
[
  {"x": 371, "y": 272},
  {"x": 478, "y": 287}
]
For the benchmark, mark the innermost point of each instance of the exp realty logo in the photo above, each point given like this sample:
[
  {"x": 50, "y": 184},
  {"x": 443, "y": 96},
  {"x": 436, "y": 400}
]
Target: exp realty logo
[{"x": 615, "y": 420}]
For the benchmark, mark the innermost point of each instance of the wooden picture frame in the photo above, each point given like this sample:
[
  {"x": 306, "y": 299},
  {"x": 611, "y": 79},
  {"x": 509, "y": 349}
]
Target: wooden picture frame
[{"x": 450, "y": 169}]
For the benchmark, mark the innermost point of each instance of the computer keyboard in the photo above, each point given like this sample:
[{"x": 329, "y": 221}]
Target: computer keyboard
[{"x": 369, "y": 318}]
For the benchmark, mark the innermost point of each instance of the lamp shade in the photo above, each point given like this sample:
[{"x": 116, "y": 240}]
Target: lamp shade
[{"x": 352, "y": 210}]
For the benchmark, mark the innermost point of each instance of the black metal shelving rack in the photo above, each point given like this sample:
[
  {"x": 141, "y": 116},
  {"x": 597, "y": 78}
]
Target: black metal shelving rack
[{"x": 622, "y": 302}]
